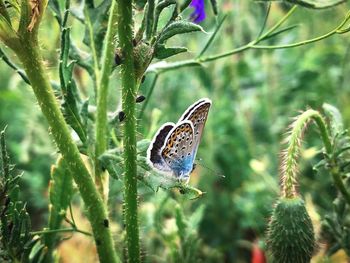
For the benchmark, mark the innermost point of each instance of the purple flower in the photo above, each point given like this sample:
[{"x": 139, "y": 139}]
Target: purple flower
[{"x": 198, "y": 14}]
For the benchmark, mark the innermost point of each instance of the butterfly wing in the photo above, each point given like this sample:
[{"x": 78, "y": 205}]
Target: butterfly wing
[
  {"x": 191, "y": 108},
  {"x": 177, "y": 151},
  {"x": 154, "y": 149},
  {"x": 197, "y": 114}
]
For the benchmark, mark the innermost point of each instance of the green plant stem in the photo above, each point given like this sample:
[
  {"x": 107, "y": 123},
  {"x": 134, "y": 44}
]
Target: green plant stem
[
  {"x": 212, "y": 37},
  {"x": 96, "y": 211},
  {"x": 20, "y": 72},
  {"x": 148, "y": 96},
  {"x": 290, "y": 155},
  {"x": 93, "y": 48},
  {"x": 278, "y": 24},
  {"x": 129, "y": 89},
  {"x": 339, "y": 183},
  {"x": 62, "y": 230},
  {"x": 289, "y": 161},
  {"x": 161, "y": 67},
  {"x": 101, "y": 178},
  {"x": 334, "y": 170}
]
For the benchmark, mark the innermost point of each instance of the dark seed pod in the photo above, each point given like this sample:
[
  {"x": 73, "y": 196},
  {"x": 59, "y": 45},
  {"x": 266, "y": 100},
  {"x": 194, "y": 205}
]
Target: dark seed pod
[
  {"x": 290, "y": 234},
  {"x": 121, "y": 116},
  {"x": 140, "y": 98}
]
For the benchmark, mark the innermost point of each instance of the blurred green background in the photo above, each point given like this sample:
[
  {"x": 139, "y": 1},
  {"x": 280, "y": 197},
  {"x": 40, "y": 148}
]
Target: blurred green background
[{"x": 255, "y": 94}]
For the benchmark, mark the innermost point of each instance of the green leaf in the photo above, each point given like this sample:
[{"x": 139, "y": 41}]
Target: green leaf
[
  {"x": 159, "y": 8},
  {"x": 150, "y": 19},
  {"x": 60, "y": 192},
  {"x": 3, "y": 11},
  {"x": 142, "y": 146},
  {"x": 196, "y": 217},
  {"x": 15, "y": 223},
  {"x": 140, "y": 4},
  {"x": 112, "y": 162},
  {"x": 56, "y": 10},
  {"x": 163, "y": 52},
  {"x": 214, "y": 6},
  {"x": 71, "y": 97},
  {"x": 4, "y": 161},
  {"x": 37, "y": 253},
  {"x": 180, "y": 223},
  {"x": 99, "y": 19},
  {"x": 7, "y": 33},
  {"x": 176, "y": 28},
  {"x": 12, "y": 65},
  {"x": 190, "y": 192},
  {"x": 335, "y": 119}
]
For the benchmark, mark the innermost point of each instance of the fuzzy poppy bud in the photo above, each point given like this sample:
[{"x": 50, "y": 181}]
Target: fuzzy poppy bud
[{"x": 290, "y": 235}]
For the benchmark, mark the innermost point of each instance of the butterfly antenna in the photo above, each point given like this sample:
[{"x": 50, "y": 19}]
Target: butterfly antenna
[{"x": 211, "y": 170}]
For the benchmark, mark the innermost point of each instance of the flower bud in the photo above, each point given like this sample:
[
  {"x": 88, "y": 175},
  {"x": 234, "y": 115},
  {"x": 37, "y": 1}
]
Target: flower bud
[{"x": 290, "y": 234}]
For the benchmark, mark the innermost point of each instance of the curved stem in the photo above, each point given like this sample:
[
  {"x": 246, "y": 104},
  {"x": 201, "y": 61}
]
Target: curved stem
[
  {"x": 129, "y": 89},
  {"x": 62, "y": 230},
  {"x": 101, "y": 178},
  {"x": 290, "y": 155},
  {"x": 96, "y": 211},
  {"x": 162, "y": 67},
  {"x": 289, "y": 158}
]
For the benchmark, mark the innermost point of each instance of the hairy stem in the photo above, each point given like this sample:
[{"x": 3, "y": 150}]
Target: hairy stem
[
  {"x": 290, "y": 155},
  {"x": 96, "y": 211},
  {"x": 129, "y": 89},
  {"x": 102, "y": 95}
]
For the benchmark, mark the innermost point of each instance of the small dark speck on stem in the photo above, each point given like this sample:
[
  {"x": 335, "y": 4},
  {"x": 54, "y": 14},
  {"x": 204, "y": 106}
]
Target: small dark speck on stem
[
  {"x": 106, "y": 223},
  {"x": 117, "y": 59},
  {"x": 121, "y": 116},
  {"x": 140, "y": 99},
  {"x": 143, "y": 78}
]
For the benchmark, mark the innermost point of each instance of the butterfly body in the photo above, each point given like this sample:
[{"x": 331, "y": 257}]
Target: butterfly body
[{"x": 174, "y": 147}]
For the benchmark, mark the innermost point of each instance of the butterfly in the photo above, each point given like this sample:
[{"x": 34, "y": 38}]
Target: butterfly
[{"x": 174, "y": 146}]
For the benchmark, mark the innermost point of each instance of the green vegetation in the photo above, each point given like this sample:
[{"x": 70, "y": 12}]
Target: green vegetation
[{"x": 86, "y": 85}]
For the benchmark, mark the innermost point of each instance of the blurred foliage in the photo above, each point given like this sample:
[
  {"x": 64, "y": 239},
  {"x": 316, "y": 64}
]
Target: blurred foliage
[
  {"x": 16, "y": 243},
  {"x": 254, "y": 94}
]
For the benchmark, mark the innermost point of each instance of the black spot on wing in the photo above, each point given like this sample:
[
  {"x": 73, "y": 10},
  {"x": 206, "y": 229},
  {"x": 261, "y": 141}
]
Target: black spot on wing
[{"x": 158, "y": 143}]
